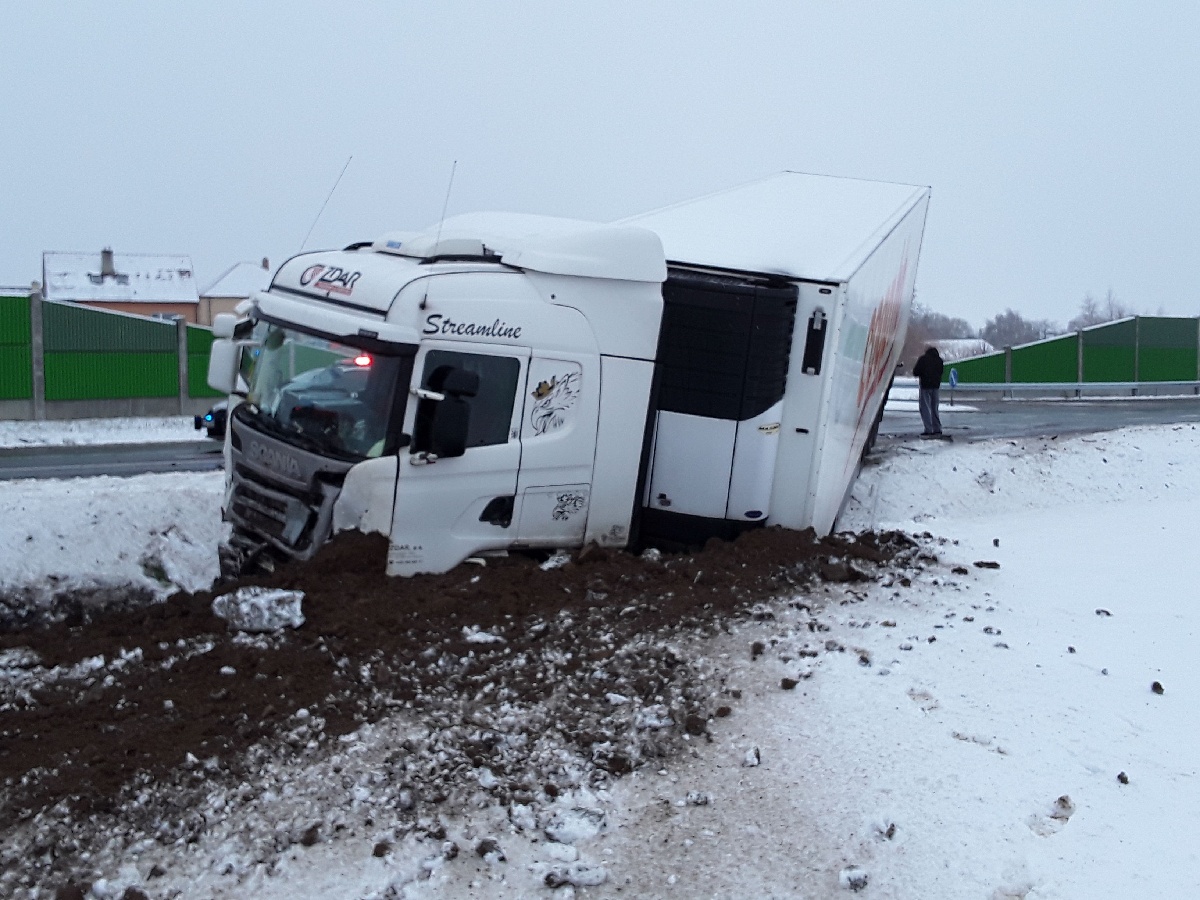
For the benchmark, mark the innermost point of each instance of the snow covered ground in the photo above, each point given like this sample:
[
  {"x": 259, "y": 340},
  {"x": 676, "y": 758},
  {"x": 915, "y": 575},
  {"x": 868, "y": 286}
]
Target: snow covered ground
[
  {"x": 158, "y": 532},
  {"x": 142, "y": 430},
  {"x": 983, "y": 731}
]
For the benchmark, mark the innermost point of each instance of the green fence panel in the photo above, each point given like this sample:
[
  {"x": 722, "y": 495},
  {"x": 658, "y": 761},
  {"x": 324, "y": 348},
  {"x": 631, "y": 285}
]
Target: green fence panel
[
  {"x": 199, "y": 346},
  {"x": 198, "y": 376},
  {"x": 16, "y": 366},
  {"x": 1046, "y": 361},
  {"x": 987, "y": 369},
  {"x": 1108, "y": 352},
  {"x": 14, "y": 321},
  {"x": 199, "y": 339},
  {"x": 16, "y": 372},
  {"x": 1167, "y": 349},
  {"x": 110, "y": 376},
  {"x": 76, "y": 329}
]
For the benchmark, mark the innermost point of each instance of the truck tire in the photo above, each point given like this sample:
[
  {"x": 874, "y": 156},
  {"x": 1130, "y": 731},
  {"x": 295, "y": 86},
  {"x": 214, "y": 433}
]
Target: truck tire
[{"x": 874, "y": 432}]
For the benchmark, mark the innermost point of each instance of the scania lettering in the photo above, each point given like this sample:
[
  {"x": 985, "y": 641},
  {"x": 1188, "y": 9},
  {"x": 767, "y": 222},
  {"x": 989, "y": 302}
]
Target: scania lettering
[{"x": 504, "y": 382}]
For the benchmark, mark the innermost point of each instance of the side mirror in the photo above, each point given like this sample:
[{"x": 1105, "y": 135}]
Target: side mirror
[
  {"x": 223, "y": 361},
  {"x": 451, "y": 422},
  {"x": 224, "y": 324}
]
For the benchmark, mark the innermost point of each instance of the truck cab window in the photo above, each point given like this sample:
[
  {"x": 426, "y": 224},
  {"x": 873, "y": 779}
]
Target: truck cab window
[
  {"x": 492, "y": 407},
  {"x": 327, "y": 397}
]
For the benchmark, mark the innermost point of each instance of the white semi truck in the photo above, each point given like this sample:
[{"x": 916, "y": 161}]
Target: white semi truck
[{"x": 502, "y": 382}]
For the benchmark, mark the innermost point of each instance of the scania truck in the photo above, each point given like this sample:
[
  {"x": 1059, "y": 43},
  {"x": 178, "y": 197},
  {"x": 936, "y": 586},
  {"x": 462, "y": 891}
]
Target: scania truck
[{"x": 505, "y": 382}]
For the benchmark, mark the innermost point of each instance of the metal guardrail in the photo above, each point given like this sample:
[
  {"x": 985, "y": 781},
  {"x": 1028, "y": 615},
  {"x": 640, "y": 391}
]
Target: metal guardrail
[{"x": 1078, "y": 389}]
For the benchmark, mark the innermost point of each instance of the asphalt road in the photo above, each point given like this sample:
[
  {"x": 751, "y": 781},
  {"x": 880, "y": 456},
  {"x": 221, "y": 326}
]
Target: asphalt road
[
  {"x": 976, "y": 420},
  {"x": 109, "y": 459},
  {"x": 968, "y": 420}
]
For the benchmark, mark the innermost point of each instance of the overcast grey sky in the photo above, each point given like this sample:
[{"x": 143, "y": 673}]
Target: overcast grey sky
[{"x": 1060, "y": 138}]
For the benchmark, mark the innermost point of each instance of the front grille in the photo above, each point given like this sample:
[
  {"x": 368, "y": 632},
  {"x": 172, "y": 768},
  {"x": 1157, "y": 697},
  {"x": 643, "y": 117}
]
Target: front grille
[
  {"x": 276, "y": 520},
  {"x": 271, "y": 512}
]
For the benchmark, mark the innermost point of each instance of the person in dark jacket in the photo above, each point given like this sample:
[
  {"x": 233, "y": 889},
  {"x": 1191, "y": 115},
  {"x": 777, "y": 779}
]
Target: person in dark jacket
[{"x": 928, "y": 370}]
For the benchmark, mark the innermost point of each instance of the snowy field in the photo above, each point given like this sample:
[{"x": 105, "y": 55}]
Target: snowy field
[{"x": 982, "y": 732}]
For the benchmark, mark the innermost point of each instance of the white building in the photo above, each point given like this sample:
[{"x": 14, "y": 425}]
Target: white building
[
  {"x": 140, "y": 283},
  {"x": 237, "y": 283}
]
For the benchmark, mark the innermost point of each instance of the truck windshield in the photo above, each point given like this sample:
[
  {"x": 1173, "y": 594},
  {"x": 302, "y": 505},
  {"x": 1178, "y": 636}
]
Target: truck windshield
[{"x": 327, "y": 397}]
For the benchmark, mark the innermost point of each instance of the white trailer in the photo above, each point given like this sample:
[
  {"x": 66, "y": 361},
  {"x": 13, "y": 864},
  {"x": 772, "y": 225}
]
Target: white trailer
[{"x": 503, "y": 382}]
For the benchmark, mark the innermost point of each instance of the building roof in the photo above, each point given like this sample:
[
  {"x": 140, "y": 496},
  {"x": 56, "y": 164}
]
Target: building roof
[
  {"x": 136, "y": 278},
  {"x": 240, "y": 280},
  {"x": 807, "y": 227}
]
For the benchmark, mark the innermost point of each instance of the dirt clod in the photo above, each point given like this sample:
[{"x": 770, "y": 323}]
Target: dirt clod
[{"x": 489, "y": 846}]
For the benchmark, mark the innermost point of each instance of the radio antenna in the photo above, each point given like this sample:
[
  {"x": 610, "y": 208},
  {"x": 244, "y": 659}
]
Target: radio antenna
[
  {"x": 325, "y": 204},
  {"x": 446, "y": 203}
]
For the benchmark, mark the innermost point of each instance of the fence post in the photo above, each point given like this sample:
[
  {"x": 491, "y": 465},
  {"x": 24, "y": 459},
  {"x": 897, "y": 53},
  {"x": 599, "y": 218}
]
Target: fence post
[
  {"x": 1137, "y": 346},
  {"x": 1008, "y": 370},
  {"x": 1079, "y": 362},
  {"x": 181, "y": 352},
  {"x": 37, "y": 352}
]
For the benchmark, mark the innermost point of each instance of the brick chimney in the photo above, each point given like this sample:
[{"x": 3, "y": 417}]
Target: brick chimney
[{"x": 107, "y": 270}]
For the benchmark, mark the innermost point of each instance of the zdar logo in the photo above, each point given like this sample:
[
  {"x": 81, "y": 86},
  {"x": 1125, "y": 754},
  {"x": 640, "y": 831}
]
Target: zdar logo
[
  {"x": 307, "y": 276},
  {"x": 330, "y": 279}
]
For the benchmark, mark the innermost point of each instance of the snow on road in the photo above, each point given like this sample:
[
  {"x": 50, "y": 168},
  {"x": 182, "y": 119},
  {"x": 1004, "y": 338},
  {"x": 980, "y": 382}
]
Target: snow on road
[
  {"x": 980, "y": 732},
  {"x": 136, "y": 430}
]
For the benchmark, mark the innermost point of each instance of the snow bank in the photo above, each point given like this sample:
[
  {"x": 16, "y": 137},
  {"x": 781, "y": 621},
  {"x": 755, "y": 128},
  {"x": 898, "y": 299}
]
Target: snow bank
[
  {"x": 98, "y": 431},
  {"x": 929, "y": 481},
  {"x": 156, "y": 532}
]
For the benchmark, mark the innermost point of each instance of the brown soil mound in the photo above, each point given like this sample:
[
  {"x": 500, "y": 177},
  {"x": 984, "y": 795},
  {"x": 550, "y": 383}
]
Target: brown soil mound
[{"x": 174, "y": 686}]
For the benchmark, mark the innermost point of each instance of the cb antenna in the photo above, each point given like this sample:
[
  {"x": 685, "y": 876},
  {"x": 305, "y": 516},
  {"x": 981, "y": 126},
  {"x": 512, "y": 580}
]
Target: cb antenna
[
  {"x": 446, "y": 203},
  {"x": 325, "y": 204}
]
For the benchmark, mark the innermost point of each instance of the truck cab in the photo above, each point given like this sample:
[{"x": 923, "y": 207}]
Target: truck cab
[{"x": 445, "y": 389}]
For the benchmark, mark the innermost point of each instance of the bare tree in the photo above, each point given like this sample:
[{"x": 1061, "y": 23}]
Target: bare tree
[
  {"x": 926, "y": 326},
  {"x": 1010, "y": 328},
  {"x": 939, "y": 326},
  {"x": 1093, "y": 313}
]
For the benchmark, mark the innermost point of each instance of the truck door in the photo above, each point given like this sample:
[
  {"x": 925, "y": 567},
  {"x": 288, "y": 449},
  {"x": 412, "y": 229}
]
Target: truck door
[
  {"x": 454, "y": 502},
  {"x": 558, "y": 450}
]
